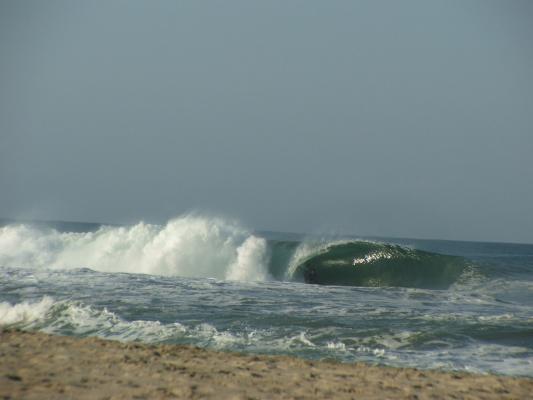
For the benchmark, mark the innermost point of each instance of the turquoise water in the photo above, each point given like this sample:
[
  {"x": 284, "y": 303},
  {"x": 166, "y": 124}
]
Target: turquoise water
[{"x": 212, "y": 283}]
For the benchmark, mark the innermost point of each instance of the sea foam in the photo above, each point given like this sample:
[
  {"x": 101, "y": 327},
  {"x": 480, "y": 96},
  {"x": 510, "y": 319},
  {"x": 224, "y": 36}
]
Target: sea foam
[
  {"x": 189, "y": 246},
  {"x": 25, "y": 313}
]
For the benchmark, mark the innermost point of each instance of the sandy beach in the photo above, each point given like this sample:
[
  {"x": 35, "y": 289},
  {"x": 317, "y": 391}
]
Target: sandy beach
[{"x": 40, "y": 366}]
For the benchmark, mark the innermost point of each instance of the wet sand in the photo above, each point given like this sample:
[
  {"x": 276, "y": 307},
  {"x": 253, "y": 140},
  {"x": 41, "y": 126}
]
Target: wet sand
[{"x": 40, "y": 366}]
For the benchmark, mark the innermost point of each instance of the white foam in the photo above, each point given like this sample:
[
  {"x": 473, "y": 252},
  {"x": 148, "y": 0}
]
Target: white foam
[
  {"x": 83, "y": 320},
  {"x": 78, "y": 319},
  {"x": 336, "y": 346},
  {"x": 62, "y": 317},
  {"x": 302, "y": 338},
  {"x": 191, "y": 246},
  {"x": 252, "y": 260},
  {"x": 24, "y": 313}
]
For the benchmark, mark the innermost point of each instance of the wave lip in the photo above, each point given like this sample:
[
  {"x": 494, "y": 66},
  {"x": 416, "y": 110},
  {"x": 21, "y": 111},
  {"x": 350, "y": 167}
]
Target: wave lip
[{"x": 371, "y": 264}]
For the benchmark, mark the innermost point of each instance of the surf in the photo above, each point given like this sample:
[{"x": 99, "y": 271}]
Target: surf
[
  {"x": 207, "y": 247},
  {"x": 188, "y": 246}
]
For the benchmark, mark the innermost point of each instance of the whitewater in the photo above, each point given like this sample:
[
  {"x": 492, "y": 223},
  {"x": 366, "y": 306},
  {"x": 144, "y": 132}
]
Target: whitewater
[
  {"x": 188, "y": 247},
  {"x": 211, "y": 282}
]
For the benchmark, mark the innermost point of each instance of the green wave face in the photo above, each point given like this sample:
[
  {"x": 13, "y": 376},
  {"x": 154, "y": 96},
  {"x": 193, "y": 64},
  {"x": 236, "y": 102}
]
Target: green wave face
[{"x": 371, "y": 264}]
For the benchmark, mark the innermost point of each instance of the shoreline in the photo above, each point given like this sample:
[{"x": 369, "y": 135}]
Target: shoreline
[{"x": 37, "y": 365}]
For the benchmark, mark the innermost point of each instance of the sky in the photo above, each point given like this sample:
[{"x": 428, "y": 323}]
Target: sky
[{"x": 388, "y": 118}]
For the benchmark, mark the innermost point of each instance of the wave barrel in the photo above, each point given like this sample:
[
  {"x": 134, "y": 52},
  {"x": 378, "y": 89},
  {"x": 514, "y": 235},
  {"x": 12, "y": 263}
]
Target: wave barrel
[{"x": 371, "y": 264}]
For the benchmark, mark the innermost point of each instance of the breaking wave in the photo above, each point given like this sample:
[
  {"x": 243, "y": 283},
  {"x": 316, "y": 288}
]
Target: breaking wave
[
  {"x": 364, "y": 263},
  {"x": 195, "y": 246},
  {"x": 74, "y": 318},
  {"x": 189, "y": 246},
  {"x": 25, "y": 313}
]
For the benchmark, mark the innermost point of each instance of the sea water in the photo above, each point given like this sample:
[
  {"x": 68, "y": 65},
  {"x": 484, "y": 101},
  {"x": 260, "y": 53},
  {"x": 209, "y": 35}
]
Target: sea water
[{"x": 210, "y": 282}]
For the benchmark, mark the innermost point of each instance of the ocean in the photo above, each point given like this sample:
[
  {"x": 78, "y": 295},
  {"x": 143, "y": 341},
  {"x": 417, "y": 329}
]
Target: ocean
[{"x": 212, "y": 283}]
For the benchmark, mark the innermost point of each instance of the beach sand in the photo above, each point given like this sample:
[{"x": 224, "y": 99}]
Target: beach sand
[{"x": 40, "y": 366}]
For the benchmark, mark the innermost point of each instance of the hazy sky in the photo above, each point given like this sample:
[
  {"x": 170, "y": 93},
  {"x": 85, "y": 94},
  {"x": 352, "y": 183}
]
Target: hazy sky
[{"x": 411, "y": 118}]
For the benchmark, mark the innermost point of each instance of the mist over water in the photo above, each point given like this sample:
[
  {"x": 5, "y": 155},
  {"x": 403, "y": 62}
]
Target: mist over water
[{"x": 211, "y": 282}]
